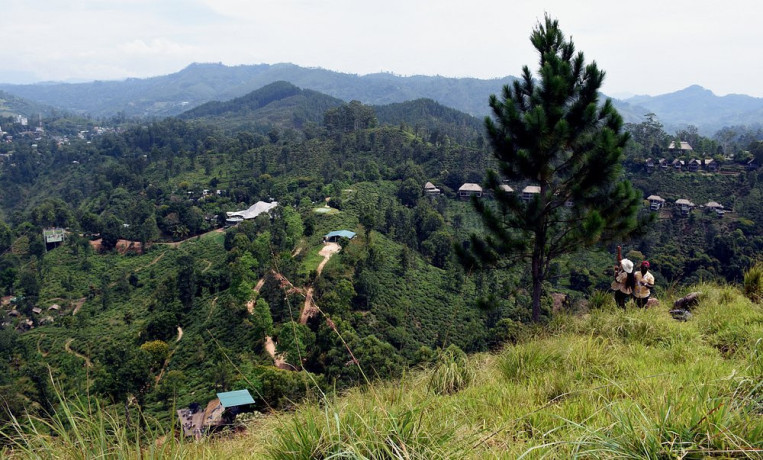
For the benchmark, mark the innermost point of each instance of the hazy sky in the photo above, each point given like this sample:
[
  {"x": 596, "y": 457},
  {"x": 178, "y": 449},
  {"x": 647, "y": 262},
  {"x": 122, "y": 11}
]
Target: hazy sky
[{"x": 646, "y": 47}]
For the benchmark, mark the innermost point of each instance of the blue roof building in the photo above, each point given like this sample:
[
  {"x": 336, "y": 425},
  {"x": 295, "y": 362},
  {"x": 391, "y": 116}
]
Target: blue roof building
[
  {"x": 335, "y": 235},
  {"x": 235, "y": 398}
]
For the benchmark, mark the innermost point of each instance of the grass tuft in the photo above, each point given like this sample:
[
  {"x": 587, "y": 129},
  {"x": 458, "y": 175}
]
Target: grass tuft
[
  {"x": 753, "y": 283},
  {"x": 452, "y": 372}
]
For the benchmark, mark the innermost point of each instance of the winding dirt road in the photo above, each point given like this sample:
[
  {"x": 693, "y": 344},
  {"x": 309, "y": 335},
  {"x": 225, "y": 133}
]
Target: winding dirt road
[
  {"x": 67, "y": 347},
  {"x": 328, "y": 250}
]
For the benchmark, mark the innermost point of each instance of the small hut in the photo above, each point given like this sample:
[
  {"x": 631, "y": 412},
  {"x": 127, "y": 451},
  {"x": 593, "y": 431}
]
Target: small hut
[
  {"x": 431, "y": 190},
  {"x": 218, "y": 413},
  {"x": 470, "y": 189},
  {"x": 684, "y": 206},
  {"x": 530, "y": 191},
  {"x": 333, "y": 237},
  {"x": 714, "y": 206},
  {"x": 656, "y": 202}
]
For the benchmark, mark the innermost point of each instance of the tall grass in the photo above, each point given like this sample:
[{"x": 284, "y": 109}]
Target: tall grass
[
  {"x": 82, "y": 428},
  {"x": 452, "y": 372},
  {"x": 753, "y": 282},
  {"x": 397, "y": 430},
  {"x": 607, "y": 384}
]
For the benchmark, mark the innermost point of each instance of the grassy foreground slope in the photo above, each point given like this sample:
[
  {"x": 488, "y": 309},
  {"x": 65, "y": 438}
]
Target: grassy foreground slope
[{"x": 611, "y": 384}]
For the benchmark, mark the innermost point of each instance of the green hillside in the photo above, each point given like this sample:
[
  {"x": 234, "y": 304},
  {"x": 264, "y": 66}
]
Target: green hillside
[
  {"x": 606, "y": 384},
  {"x": 161, "y": 303}
]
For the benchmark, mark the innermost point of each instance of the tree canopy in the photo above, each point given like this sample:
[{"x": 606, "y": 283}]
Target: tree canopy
[{"x": 551, "y": 133}]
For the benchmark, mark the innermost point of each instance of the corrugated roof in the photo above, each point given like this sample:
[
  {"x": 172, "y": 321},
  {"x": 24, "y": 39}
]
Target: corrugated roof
[
  {"x": 254, "y": 210},
  {"x": 655, "y": 198},
  {"x": 506, "y": 188},
  {"x": 235, "y": 398},
  {"x": 342, "y": 233},
  {"x": 531, "y": 189}
]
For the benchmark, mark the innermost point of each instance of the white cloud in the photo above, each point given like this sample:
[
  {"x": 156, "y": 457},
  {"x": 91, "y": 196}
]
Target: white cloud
[
  {"x": 647, "y": 47},
  {"x": 156, "y": 47}
]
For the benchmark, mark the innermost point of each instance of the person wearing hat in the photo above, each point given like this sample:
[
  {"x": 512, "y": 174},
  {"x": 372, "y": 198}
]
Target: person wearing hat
[
  {"x": 625, "y": 282},
  {"x": 644, "y": 284}
]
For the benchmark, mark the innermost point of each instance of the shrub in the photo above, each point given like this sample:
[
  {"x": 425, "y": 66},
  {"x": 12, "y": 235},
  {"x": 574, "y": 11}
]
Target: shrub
[
  {"x": 452, "y": 372},
  {"x": 374, "y": 433},
  {"x": 521, "y": 362},
  {"x": 509, "y": 331},
  {"x": 600, "y": 299},
  {"x": 753, "y": 282}
]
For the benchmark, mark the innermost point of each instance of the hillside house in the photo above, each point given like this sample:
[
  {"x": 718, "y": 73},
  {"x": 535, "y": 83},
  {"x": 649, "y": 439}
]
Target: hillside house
[
  {"x": 53, "y": 235},
  {"x": 247, "y": 214},
  {"x": 711, "y": 165},
  {"x": 656, "y": 202},
  {"x": 694, "y": 165},
  {"x": 663, "y": 163},
  {"x": 752, "y": 165},
  {"x": 530, "y": 191},
  {"x": 470, "y": 189},
  {"x": 650, "y": 164},
  {"x": 714, "y": 206},
  {"x": 677, "y": 164},
  {"x": 431, "y": 190},
  {"x": 506, "y": 188},
  {"x": 333, "y": 237},
  {"x": 218, "y": 413},
  {"x": 684, "y": 206},
  {"x": 682, "y": 149}
]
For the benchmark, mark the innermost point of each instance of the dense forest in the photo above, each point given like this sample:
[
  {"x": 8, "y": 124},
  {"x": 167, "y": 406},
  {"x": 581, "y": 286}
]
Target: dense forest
[{"x": 153, "y": 300}]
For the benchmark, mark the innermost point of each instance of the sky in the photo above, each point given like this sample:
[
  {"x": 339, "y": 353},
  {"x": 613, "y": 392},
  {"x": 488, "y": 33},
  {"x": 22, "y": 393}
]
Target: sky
[{"x": 646, "y": 47}]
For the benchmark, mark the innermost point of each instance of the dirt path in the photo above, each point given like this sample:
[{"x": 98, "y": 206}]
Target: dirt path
[
  {"x": 250, "y": 304},
  {"x": 209, "y": 265},
  {"x": 328, "y": 250},
  {"x": 78, "y": 304},
  {"x": 43, "y": 353},
  {"x": 67, "y": 347},
  {"x": 167, "y": 361},
  {"x": 156, "y": 259},
  {"x": 174, "y": 244},
  {"x": 212, "y": 308},
  {"x": 278, "y": 360},
  {"x": 310, "y": 309},
  {"x": 180, "y": 334}
]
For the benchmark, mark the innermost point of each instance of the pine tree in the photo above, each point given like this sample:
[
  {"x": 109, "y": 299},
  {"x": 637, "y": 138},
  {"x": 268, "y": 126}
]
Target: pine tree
[{"x": 553, "y": 134}]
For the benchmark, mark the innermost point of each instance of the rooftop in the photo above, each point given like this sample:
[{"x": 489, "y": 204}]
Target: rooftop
[
  {"x": 235, "y": 398},
  {"x": 341, "y": 233}
]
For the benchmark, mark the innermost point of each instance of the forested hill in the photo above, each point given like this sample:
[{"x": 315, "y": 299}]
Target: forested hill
[
  {"x": 698, "y": 106},
  {"x": 198, "y": 84},
  {"x": 11, "y": 105},
  {"x": 201, "y": 83},
  {"x": 283, "y": 105},
  {"x": 278, "y": 104},
  {"x": 191, "y": 303}
]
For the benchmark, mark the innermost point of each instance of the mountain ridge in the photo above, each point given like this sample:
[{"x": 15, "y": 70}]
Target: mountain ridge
[{"x": 199, "y": 83}]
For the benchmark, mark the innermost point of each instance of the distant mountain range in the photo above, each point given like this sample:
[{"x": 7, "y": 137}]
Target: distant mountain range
[{"x": 199, "y": 84}]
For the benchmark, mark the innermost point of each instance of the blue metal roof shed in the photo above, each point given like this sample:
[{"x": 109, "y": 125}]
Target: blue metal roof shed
[
  {"x": 341, "y": 233},
  {"x": 235, "y": 398}
]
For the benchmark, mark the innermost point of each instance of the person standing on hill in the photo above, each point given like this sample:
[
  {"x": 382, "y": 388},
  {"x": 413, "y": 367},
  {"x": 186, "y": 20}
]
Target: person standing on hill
[
  {"x": 625, "y": 282},
  {"x": 644, "y": 284}
]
